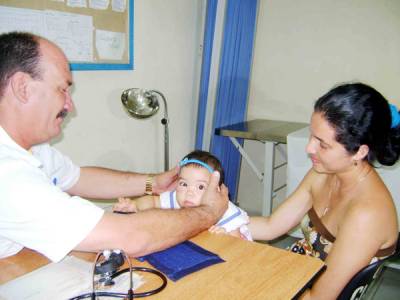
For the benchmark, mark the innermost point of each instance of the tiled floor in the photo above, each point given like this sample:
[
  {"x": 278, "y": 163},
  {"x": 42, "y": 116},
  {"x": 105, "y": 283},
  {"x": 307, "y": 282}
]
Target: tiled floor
[{"x": 385, "y": 287}]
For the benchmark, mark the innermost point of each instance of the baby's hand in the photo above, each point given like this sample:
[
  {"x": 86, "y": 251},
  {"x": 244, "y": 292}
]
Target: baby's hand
[
  {"x": 217, "y": 229},
  {"x": 125, "y": 205}
]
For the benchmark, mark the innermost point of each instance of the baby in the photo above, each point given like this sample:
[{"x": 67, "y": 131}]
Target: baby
[{"x": 194, "y": 176}]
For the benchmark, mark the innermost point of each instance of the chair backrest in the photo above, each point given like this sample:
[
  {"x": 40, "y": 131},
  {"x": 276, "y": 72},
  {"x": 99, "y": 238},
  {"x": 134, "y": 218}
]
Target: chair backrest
[
  {"x": 359, "y": 283},
  {"x": 356, "y": 286}
]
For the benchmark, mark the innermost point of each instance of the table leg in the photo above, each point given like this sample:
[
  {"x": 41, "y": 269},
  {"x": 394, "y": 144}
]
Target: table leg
[
  {"x": 268, "y": 178},
  {"x": 246, "y": 157}
]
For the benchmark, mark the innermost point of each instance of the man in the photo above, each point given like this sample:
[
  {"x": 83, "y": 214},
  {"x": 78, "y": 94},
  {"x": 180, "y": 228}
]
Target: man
[{"x": 40, "y": 189}]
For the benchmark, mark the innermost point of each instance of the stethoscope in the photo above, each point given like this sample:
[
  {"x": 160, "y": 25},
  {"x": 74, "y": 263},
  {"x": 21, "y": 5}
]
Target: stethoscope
[{"x": 103, "y": 274}]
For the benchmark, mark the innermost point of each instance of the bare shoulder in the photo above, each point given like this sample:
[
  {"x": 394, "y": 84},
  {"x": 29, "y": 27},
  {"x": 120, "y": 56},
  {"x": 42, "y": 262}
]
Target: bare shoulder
[
  {"x": 308, "y": 190},
  {"x": 373, "y": 211},
  {"x": 316, "y": 183},
  {"x": 373, "y": 200},
  {"x": 314, "y": 180}
]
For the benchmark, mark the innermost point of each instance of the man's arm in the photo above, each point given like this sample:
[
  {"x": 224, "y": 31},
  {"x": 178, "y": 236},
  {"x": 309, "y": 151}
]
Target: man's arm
[
  {"x": 156, "y": 229},
  {"x": 102, "y": 183}
]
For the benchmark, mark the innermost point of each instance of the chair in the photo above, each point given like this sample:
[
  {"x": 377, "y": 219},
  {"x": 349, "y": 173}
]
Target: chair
[{"x": 357, "y": 286}]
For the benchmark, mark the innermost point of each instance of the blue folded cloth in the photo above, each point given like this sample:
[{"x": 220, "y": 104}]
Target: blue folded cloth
[{"x": 181, "y": 260}]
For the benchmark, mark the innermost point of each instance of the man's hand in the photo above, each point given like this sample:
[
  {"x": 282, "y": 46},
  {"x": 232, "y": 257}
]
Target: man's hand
[
  {"x": 215, "y": 197},
  {"x": 166, "y": 181}
]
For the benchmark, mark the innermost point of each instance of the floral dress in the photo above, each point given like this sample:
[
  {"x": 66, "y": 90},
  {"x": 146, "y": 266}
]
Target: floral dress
[{"x": 318, "y": 241}]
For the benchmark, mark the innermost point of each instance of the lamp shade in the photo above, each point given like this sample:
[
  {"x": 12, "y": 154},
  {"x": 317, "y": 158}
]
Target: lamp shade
[{"x": 140, "y": 103}]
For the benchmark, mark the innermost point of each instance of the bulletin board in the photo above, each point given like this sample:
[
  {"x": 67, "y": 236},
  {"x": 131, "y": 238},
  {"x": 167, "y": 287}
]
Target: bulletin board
[{"x": 94, "y": 34}]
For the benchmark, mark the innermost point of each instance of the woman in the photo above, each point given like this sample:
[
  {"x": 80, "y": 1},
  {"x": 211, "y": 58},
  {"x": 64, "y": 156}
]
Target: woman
[{"x": 352, "y": 128}]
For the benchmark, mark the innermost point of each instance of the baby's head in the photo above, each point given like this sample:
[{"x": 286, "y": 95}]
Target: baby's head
[{"x": 194, "y": 177}]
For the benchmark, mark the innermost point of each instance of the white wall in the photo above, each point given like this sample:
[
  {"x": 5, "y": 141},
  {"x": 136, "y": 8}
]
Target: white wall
[
  {"x": 303, "y": 48},
  {"x": 167, "y": 36}
]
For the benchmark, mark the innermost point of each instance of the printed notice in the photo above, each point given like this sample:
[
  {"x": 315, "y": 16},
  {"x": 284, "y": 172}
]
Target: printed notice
[
  {"x": 110, "y": 45},
  {"x": 76, "y": 3},
  {"x": 99, "y": 4},
  {"x": 118, "y": 5},
  {"x": 15, "y": 19},
  {"x": 73, "y": 33}
]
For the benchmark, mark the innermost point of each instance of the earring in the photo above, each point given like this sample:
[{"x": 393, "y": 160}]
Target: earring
[{"x": 355, "y": 163}]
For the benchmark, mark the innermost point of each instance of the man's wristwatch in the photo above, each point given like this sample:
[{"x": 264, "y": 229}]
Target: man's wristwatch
[{"x": 149, "y": 184}]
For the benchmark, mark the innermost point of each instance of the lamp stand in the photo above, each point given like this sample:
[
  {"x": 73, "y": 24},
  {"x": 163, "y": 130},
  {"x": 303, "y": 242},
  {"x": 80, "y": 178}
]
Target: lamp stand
[{"x": 164, "y": 122}]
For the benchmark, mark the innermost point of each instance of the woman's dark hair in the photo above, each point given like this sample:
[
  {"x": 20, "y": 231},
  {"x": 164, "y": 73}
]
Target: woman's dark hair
[
  {"x": 207, "y": 158},
  {"x": 19, "y": 52},
  {"x": 360, "y": 115}
]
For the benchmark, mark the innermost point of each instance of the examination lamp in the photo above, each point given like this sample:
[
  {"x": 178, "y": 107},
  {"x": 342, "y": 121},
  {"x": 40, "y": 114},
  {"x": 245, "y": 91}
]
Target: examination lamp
[{"x": 142, "y": 104}]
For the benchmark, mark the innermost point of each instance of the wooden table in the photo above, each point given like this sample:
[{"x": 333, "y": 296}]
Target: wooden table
[
  {"x": 251, "y": 271},
  {"x": 271, "y": 133}
]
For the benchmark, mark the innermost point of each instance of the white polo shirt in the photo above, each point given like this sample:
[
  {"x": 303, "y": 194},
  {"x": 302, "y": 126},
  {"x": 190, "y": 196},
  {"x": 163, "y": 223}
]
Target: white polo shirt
[{"x": 35, "y": 212}]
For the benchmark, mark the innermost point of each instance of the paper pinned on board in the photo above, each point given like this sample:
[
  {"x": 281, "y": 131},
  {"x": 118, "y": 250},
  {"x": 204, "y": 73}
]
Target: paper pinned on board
[
  {"x": 69, "y": 278},
  {"x": 76, "y": 3},
  {"x": 118, "y": 5},
  {"x": 73, "y": 33},
  {"x": 15, "y": 19},
  {"x": 110, "y": 45},
  {"x": 99, "y": 4}
]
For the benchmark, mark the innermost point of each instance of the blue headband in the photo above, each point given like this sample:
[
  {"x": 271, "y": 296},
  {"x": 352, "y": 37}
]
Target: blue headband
[
  {"x": 195, "y": 161},
  {"x": 395, "y": 116}
]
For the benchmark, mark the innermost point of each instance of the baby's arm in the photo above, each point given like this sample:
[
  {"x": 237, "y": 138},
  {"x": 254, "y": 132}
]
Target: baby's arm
[
  {"x": 218, "y": 230},
  {"x": 236, "y": 233},
  {"x": 137, "y": 204},
  {"x": 125, "y": 205}
]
